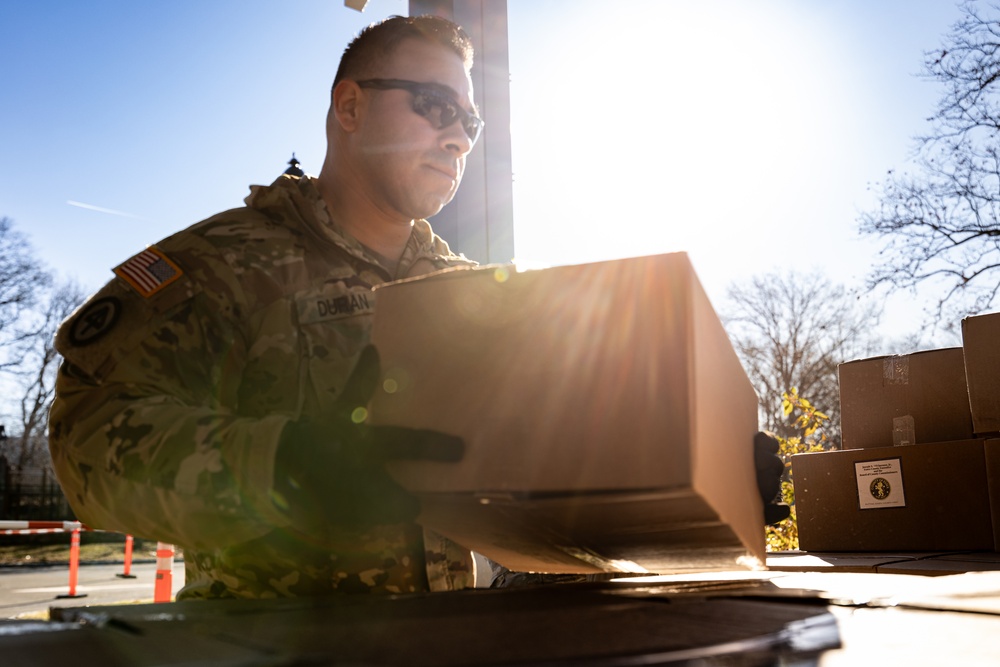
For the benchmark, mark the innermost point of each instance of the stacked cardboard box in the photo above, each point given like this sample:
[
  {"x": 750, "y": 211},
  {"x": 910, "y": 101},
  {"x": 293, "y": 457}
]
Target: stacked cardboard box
[
  {"x": 920, "y": 469},
  {"x": 904, "y": 399},
  {"x": 607, "y": 420},
  {"x": 925, "y": 497},
  {"x": 981, "y": 341}
]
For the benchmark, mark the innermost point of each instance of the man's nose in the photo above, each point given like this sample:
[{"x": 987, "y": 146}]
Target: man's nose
[{"x": 455, "y": 140}]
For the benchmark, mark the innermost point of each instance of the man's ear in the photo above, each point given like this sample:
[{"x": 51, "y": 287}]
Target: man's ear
[{"x": 346, "y": 105}]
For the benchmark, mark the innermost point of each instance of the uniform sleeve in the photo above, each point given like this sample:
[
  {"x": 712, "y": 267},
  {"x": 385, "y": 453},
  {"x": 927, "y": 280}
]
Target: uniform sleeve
[{"x": 144, "y": 432}]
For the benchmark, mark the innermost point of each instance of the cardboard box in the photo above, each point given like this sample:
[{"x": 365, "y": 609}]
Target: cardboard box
[
  {"x": 982, "y": 370},
  {"x": 929, "y": 497},
  {"x": 904, "y": 399},
  {"x": 607, "y": 420}
]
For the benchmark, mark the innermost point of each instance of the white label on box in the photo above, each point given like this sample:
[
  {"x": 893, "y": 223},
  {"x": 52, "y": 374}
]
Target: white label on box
[{"x": 880, "y": 484}]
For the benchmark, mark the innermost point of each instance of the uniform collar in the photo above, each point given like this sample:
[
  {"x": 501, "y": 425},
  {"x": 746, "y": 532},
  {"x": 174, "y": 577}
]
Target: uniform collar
[{"x": 294, "y": 198}]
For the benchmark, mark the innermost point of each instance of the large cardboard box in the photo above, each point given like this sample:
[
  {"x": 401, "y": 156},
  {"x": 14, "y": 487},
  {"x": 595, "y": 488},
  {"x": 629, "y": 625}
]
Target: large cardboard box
[
  {"x": 928, "y": 497},
  {"x": 607, "y": 420},
  {"x": 904, "y": 399},
  {"x": 980, "y": 336}
]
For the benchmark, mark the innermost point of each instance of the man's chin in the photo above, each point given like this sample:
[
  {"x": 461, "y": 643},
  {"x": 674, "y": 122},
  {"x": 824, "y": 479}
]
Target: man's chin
[{"x": 433, "y": 208}]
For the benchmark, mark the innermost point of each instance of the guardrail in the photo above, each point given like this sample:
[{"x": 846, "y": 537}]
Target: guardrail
[
  {"x": 29, "y": 527},
  {"x": 164, "y": 554}
]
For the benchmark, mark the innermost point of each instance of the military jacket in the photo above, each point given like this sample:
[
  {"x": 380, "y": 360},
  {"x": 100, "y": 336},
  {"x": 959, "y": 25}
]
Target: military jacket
[{"x": 180, "y": 374}]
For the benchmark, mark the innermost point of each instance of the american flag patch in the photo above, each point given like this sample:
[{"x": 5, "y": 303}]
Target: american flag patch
[{"x": 149, "y": 272}]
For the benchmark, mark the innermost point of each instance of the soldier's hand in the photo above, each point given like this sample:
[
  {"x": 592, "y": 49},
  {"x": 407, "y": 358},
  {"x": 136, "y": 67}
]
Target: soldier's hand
[
  {"x": 332, "y": 470},
  {"x": 769, "y": 471}
]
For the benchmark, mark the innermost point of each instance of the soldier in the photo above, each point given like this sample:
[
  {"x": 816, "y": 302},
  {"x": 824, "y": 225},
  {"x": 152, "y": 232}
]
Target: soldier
[
  {"x": 207, "y": 391},
  {"x": 204, "y": 398}
]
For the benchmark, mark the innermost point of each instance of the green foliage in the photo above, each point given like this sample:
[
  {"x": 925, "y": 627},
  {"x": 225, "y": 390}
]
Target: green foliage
[{"x": 810, "y": 437}]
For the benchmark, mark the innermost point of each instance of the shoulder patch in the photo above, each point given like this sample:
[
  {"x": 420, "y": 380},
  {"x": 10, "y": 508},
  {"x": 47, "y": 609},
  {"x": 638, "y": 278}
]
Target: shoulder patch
[
  {"x": 95, "y": 320},
  {"x": 149, "y": 272}
]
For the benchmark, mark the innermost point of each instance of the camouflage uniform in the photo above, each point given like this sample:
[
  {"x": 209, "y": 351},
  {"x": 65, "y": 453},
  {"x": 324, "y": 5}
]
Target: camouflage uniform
[{"x": 181, "y": 373}]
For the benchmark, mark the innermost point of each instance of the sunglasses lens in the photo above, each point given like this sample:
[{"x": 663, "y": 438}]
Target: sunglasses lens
[
  {"x": 434, "y": 108},
  {"x": 448, "y": 113},
  {"x": 442, "y": 112},
  {"x": 472, "y": 126}
]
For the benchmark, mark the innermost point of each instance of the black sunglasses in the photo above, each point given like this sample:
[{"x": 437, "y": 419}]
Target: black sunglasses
[{"x": 432, "y": 103}]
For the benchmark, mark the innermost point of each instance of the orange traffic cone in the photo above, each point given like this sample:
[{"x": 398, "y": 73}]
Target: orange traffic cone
[
  {"x": 164, "y": 572},
  {"x": 74, "y": 565},
  {"x": 127, "y": 569}
]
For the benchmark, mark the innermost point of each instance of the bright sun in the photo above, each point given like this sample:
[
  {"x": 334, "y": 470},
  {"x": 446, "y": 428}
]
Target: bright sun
[{"x": 669, "y": 127}]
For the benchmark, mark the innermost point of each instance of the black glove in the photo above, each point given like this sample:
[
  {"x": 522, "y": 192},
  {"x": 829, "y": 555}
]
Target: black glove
[
  {"x": 769, "y": 471},
  {"x": 332, "y": 470}
]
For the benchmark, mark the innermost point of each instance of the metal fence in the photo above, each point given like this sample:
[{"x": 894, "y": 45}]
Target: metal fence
[{"x": 31, "y": 494}]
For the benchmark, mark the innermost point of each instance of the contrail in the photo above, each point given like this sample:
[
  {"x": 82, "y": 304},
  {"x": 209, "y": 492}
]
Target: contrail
[{"x": 101, "y": 209}]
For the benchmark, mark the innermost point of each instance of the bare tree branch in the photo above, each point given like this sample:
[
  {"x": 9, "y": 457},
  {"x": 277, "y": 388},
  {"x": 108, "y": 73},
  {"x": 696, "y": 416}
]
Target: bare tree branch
[
  {"x": 30, "y": 312},
  {"x": 30, "y": 448},
  {"x": 940, "y": 224}
]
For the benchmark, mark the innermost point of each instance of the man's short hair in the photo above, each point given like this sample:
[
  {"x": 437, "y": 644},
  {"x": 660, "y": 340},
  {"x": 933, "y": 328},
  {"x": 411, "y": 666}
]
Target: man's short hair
[{"x": 375, "y": 44}]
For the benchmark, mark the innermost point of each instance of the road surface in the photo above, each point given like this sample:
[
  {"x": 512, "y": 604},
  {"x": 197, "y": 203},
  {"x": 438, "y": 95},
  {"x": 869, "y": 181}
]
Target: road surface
[{"x": 30, "y": 591}]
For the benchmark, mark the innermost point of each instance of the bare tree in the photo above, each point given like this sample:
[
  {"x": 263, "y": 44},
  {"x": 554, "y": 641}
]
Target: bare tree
[
  {"x": 29, "y": 313},
  {"x": 791, "y": 331},
  {"x": 37, "y": 379},
  {"x": 21, "y": 279},
  {"x": 941, "y": 224}
]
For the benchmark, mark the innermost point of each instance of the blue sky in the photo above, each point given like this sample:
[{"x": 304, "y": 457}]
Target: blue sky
[{"x": 745, "y": 133}]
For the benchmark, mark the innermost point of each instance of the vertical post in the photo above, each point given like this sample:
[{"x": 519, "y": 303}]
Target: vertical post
[
  {"x": 74, "y": 561},
  {"x": 163, "y": 590},
  {"x": 74, "y": 565},
  {"x": 5, "y": 507},
  {"x": 479, "y": 222},
  {"x": 127, "y": 570}
]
